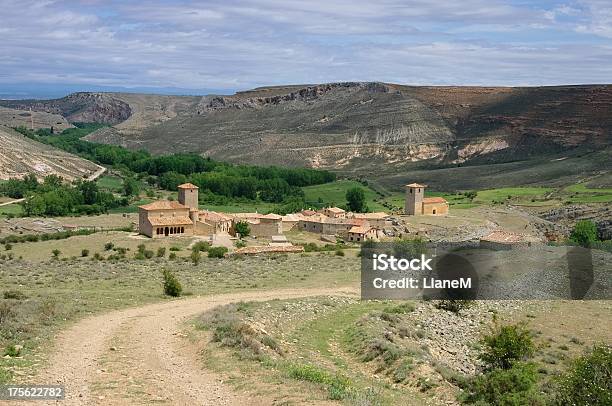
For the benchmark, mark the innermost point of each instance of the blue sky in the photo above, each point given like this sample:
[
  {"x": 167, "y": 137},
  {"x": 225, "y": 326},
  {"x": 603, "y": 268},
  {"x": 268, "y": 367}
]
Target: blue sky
[{"x": 239, "y": 44}]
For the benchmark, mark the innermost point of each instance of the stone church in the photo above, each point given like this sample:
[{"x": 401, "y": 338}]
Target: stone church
[{"x": 417, "y": 204}]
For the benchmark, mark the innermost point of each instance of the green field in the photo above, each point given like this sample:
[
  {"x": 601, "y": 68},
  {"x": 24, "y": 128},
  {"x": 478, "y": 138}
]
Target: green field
[
  {"x": 334, "y": 194},
  {"x": 13, "y": 209},
  {"x": 111, "y": 183}
]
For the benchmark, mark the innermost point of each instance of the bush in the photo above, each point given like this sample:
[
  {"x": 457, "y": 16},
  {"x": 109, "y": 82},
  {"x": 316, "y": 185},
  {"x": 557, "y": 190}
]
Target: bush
[
  {"x": 8, "y": 246},
  {"x": 584, "y": 233},
  {"x": 201, "y": 246},
  {"x": 239, "y": 244},
  {"x": 172, "y": 256},
  {"x": 514, "y": 386},
  {"x": 217, "y": 252},
  {"x": 12, "y": 351},
  {"x": 506, "y": 345},
  {"x": 339, "y": 252},
  {"x": 148, "y": 254},
  {"x": 453, "y": 305},
  {"x": 243, "y": 228},
  {"x": 172, "y": 287},
  {"x": 108, "y": 246},
  {"x": 161, "y": 252},
  {"x": 84, "y": 252},
  {"x": 14, "y": 294},
  {"x": 173, "y": 248},
  {"x": 56, "y": 253},
  {"x": 588, "y": 381},
  {"x": 195, "y": 257}
]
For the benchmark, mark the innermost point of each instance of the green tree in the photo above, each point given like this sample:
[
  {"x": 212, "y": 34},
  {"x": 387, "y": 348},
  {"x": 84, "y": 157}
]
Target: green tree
[
  {"x": 356, "y": 200},
  {"x": 243, "y": 228},
  {"x": 130, "y": 187},
  {"x": 584, "y": 233}
]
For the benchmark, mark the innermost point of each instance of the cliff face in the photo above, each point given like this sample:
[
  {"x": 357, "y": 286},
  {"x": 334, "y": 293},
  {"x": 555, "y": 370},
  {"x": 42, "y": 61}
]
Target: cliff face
[{"x": 79, "y": 107}]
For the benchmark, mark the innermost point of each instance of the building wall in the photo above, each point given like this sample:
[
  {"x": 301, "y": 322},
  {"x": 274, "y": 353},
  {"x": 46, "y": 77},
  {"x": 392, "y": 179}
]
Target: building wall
[
  {"x": 414, "y": 200},
  {"x": 188, "y": 197},
  {"x": 202, "y": 228},
  {"x": 144, "y": 227},
  {"x": 439, "y": 208},
  {"x": 266, "y": 228}
]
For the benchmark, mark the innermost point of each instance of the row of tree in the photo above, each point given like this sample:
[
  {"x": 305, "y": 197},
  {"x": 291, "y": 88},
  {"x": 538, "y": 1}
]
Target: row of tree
[{"x": 53, "y": 197}]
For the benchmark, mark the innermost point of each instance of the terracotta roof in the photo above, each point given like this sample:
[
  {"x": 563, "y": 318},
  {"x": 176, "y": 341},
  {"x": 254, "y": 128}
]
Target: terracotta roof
[
  {"x": 214, "y": 216},
  {"x": 170, "y": 220},
  {"x": 371, "y": 216},
  {"x": 357, "y": 221},
  {"x": 163, "y": 205},
  {"x": 188, "y": 186},
  {"x": 272, "y": 216},
  {"x": 335, "y": 209},
  {"x": 247, "y": 215},
  {"x": 308, "y": 212},
  {"x": 360, "y": 229},
  {"x": 430, "y": 200},
  {"x": 416, "y": 185}
]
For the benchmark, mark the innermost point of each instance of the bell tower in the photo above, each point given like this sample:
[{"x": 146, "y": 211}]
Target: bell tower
[
  {"x": 414, "y": 199},
  {"x": 188, "y": 195}
]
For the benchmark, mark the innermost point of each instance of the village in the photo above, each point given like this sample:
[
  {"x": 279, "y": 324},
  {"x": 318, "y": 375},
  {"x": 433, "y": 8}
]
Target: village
[{"x": 166, "y": 218}]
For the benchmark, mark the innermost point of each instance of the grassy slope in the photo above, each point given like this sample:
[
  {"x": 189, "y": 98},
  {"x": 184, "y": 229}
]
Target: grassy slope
[{"x": 61, "y": 291}]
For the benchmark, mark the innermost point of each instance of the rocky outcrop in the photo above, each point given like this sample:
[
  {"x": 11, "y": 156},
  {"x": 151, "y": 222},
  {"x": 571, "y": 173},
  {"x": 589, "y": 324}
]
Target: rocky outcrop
[{"x": 79, "y": 107}]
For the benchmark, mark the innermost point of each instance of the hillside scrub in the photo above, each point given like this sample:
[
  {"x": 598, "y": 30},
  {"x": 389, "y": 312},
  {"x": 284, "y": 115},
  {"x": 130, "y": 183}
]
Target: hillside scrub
[
  {"x": 172, "y": 287},
  {"x": 588, "y": 381}
]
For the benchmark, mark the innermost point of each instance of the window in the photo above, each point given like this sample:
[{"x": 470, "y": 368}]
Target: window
[{"x": 434, "y": 211}]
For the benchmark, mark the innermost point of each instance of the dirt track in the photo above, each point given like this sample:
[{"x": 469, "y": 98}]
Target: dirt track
[{"x": 138, "y": 356}]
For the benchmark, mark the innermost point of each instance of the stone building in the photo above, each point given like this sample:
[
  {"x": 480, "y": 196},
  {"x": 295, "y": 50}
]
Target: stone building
[
  {"x": 163, "y": 218},
  {"x": 334, "y": 212},
  {"x": 417, "y": 204}
]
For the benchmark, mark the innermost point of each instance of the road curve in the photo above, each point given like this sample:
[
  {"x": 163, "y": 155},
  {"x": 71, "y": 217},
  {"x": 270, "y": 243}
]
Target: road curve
[{"x": 138, "y": 356}]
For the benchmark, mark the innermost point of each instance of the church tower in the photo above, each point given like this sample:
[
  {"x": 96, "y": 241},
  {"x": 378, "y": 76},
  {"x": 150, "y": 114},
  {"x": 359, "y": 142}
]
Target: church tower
[
  {"x": 188, "y": 195},
  {"x": 414, "y": 199}
]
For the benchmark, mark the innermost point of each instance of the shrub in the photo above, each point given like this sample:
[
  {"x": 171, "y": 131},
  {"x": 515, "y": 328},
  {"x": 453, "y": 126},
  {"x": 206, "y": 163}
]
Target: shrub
[
  {"x": 339, "y": 252},
  {"x": 172, "y": 255},
  {"x": 242, "y": 228},
  {"x": 8, "y": 246},
  {"x": 453, "y": 305},
  {"x": 201, "y": 246},
  {"x": 141, "y": 248},
  {"x": 173, "y": 248},
  {"x": 195, "y": 257},
  {"x": 506, "y": 345},
  {"x": 108, "y": 246},
  {"x": 240, "y": 244},
  {"x": 12, "y": 351},
  {"x": 84, "y": 252},
  {"x": 161, "y": 252},
  {"x": 148, "y": 254},
  {"x": 584, "y": 233},
  {"x": 172, "y": 287},
  {"x": 514, "y": 386},
  {"x": 217, "y": 252},
  {"x": 56, "y": 253},
  {"x": 588, "y": 381},
  {"x": 14, "y": 294},
  {"x": 399, "y": 309}
]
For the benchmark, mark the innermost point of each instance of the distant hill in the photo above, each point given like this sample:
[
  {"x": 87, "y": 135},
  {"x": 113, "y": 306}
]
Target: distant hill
[
  {"x": 449, "y": 137},
  {"x": 20, "y": 155}
]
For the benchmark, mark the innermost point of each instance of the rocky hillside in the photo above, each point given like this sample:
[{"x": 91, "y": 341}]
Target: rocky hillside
[
  {"x": 447, "y": 136},
  {"x": 79, "y": 107},
  {"x": 20, "y": 155}
]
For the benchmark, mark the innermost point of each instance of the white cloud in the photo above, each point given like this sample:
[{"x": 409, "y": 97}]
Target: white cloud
[{"x": 241, "y": 44}]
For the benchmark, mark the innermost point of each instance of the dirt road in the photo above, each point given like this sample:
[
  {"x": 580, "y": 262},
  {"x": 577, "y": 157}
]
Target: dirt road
[{"x": 139, "y": 356}]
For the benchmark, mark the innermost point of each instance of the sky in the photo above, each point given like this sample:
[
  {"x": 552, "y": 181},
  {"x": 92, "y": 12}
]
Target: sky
[{"x": 195, "y": 47}]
